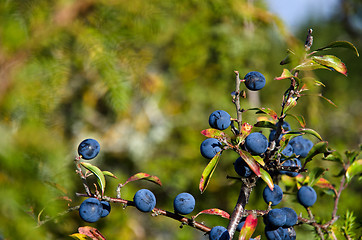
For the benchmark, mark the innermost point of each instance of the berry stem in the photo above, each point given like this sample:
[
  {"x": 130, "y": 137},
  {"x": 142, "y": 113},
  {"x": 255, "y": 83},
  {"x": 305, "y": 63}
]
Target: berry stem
[{"x": 237, "y": 101}]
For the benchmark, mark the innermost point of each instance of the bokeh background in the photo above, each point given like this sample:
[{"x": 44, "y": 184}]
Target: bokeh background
[{"x": 142, "y": 77}]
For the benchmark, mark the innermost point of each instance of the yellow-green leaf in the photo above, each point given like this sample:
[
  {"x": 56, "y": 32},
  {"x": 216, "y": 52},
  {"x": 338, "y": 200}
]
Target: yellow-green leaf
[
  {"x": 267, "y": 179},
  {"x": 98, "y": 173},
  {"x": 354, "y": 169},
  {"x": 144, "y": 176},
  {"x": 339, "y": 44},
  {"x": 331, "y": 61},
  {"x": 208, "y": 171},
  {"x": 79, "y": 236}
]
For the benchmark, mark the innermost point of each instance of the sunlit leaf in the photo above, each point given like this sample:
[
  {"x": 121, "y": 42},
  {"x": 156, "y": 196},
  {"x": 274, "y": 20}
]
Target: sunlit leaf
[
  {"x": 320, "y": 147},
  {"x": 91, "y": 232},
  {"x": 109, "y": 174},
  {"x": 321, "y": 183},
  {"x": 300, "y": 120},
  {"x": 249, "y": 227},
  {"x": 267, "y": 111},
  {"x": 208, "y": 171},
  {"x": 311, "y": 132},
  {"x": 245, "y": 131},
  {"x": 213, "y": 133},
  {"x": 267, "y": 178},
  {"x": 331, "y": 61},
  {"x": 253, "y": 165},
  {"x": 314, "y": 175},
  {"x": 354, "y": 169},
  {"x": 214, "y": 211},
  {"x": 98, "y": 173},
  {"x": 260, "y": 160},
  {"x": 339, "y": 44},
  {"x": 310, "y": 64},
  {"x": 144, "y": 176},
  {"x": 328, "y": 100},
  {"x": 79, "y": 236}
]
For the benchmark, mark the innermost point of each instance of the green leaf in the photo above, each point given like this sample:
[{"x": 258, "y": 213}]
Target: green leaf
[
  {"x": 335, "y": 156},
  {"x": 320, "y": 147},
  {"x": 300, "y": 120},
  {"x": 331, "y": 61},
  {"x": 249, "y": 227},
  {"x": 267, "y": 179},
  {"x": 267, "y": 111},
  {"x": 144, "y": 176},
  {"x": 291, "y": 103},
  {"x": 213, "y": 133},
  {"x": 285, "y": 75},
  {"x": 314, "y": 175},
  {"x": 208, "y": 171},
  {"x": 352, "y": 155},
  {"x": 310, "y": 64},
  {"x": 311, "y": 132},
  {"x": 98, "y": 173},
  {"x": 339, "y": 44},
  {"x": 354, "y": 169},
  {"x": 109, "y": 174},
  {"x": 265, "y": 124},
  {"x": 249, "y": 159}
]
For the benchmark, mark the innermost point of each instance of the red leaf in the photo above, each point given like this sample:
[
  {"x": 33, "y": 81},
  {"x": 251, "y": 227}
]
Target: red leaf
[
  {"x": 213, "y": 133},
  {"x": 145, "y": 176},
  {"x": 248, "y": 158},
  {"x": 249, "y": 227},
  {"x": 214, "y": 211},
  {"x": 91, "y": 232}
]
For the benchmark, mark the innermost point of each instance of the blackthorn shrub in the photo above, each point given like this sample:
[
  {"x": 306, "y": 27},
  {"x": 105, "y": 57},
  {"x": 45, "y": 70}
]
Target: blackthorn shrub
[{"x": 258, "y": 161}]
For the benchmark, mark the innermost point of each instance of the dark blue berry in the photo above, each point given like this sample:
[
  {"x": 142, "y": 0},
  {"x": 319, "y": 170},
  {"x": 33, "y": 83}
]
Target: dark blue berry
[
  {"x": 90, "y": 210},
  {"x": 291, "y": 163},
  {"x": 88, "y": 148},
  {"x": 106, "y": 208},
  {"x": 219, "y": 120},
  {"x": 291, "y": 217},
  {"x": 256, "y": 143},
  {"x": 276, "y": 217},
  {"x": 219, "y": 233},
  {"x": 273, "y": 132},
  {"x": 289, "y": 233},
  {"x": 275, "y": 196},
  {"x": 184, "y": 203},
  {"x": 254, "y": 81},
  {"x": 288, "y": 150},
  {"x": 273, "y": 233},
  {"x": 301, "y": 146},
  {"x": 210, "y": 147},
  {"x": 306, "y": 196},
  {"x": 242, "y": 168},
  {"x": 144, "y": 200},
  {"x": 241, "y": 224}
]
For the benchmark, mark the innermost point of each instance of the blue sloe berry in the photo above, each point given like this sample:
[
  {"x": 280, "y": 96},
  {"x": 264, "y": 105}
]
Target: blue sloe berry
[
  {"x": 256, "y": 143},
  {"x": 276, "y": 217},
  {"x": 273, "y": 233},
  {"x": 219, "y": 233},
  {"x": 144, "y": 200},
  {"x": 106, "y": 208},
  {"x": 291, "y": 163},
  {"x": 275, "y": 196},
  {"x": 242, "y": 168},
  {"x": 241, "y": 224},
  {"x": 88, "y": 148},
  {"x": 254, "y": 80},
  {"x": 286, "y": 127},
  {"x": 301, "y": 146},
  {"x": 184, "y": 203},
  {"x": 219, "y": 120},
  {"x": 306, "y": 196},
  {"x": 288, "y": 150},
  {"x": 210, "y": 147},
  {"x": 90, "y": 210},
  {"x": 289, "y": 233},
  {"x": 291, "y": 217}
]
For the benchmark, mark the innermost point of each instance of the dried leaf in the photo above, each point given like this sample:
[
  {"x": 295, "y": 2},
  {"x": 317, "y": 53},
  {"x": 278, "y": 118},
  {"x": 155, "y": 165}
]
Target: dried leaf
[
  {"x": 214, "y": 211},
  {"x": 144, "y": 176}
]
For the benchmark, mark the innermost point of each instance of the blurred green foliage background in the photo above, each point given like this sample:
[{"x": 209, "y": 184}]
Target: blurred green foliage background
[{"x": 142, "y": 77}]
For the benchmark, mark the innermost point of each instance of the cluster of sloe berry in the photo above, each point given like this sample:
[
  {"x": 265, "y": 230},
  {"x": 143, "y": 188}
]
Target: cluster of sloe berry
[
  {"x": 278, "y": 222},
  {"x": 91, "y": 209}
]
